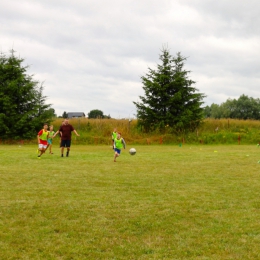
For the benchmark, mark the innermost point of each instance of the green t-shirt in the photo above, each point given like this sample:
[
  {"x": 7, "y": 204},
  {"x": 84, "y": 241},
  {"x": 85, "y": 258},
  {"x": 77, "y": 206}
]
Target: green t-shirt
[
  {"x": 118, "y": 143},
  {"x": 44, "y": 135},
  {"x": 51, "y": 133}
]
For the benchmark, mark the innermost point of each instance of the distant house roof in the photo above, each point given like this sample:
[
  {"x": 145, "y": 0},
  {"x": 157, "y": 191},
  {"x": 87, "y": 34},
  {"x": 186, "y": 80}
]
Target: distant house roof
[{"x": 75, "y": 114}]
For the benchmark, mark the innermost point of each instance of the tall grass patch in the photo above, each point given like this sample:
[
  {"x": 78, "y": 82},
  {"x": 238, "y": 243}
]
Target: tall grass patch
[{"x": 211, "y": 131}]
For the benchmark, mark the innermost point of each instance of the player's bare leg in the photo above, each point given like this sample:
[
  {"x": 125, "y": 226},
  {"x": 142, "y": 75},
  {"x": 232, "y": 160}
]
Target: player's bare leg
[
  {"x": 42, "y": 150},
  {"x": 62, "y": 150},
  {"x": 115, "y": 156}
]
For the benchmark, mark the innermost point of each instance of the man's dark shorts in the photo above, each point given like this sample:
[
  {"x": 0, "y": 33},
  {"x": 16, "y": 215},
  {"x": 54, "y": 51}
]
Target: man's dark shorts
[{"x": 65, "y": 143}]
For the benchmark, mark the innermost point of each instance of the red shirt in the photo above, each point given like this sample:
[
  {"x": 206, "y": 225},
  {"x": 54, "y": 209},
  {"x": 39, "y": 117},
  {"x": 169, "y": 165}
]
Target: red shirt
[
  {"x": 66, "y": 131},
  {"x": 45, "y": 142}
]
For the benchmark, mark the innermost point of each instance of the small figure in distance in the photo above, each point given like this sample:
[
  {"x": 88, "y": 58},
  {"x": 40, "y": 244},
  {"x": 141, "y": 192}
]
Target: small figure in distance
[
  {"x": 65, "y": 131},
  {"x": 51, "y": 133},
  {"x": 42, "y": 140},
  {"x": 119, "y": 143}
]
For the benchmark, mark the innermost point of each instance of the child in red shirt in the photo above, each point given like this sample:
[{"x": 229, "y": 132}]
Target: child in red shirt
[{"x": 42, "y": 140}]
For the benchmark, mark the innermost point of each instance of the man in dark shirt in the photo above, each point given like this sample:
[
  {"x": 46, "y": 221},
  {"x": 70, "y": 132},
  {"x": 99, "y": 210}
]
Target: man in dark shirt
[{"x": 65, "y": 132}]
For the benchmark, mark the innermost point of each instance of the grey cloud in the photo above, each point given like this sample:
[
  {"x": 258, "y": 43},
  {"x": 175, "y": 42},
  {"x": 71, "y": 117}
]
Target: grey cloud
[{"x": 96, "y": 51}]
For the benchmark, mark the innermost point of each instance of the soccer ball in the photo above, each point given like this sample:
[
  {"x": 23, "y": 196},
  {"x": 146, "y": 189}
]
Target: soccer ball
[{"x": 132, "y": 151}]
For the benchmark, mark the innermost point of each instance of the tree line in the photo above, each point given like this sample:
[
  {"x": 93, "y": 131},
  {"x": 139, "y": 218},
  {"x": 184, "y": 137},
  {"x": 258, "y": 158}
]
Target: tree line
[
  {"x": 170, "y": 100},
  {"x": 242, "y": 108}
]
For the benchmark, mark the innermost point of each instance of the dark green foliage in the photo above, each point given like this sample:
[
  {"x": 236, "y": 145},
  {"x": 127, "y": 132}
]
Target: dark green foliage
[
  {"x": 95, "y": 114},
  {"x": 65, "y": 114},
  {"x": 22, "y": 104},
  {"x": 243, "y": 108},
  {"x": 170, "y": 99}
]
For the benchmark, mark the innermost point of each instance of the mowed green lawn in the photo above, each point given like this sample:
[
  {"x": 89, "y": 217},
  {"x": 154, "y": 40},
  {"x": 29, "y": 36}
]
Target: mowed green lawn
[{"x": 165, "y": 202}]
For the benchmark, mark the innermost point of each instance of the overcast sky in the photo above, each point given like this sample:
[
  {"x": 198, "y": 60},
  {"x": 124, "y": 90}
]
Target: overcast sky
[{"x": 91, "y": 54}]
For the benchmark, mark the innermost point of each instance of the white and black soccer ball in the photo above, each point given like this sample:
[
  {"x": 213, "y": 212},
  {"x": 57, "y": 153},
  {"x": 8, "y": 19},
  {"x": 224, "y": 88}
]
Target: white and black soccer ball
[{"x": 132, "y": 151}]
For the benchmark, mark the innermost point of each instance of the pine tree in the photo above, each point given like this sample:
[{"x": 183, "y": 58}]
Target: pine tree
[
  {"x": 22, "y": 105},
  {"x": 64, "y": 115},
  {"x": 170, "y": 97}
]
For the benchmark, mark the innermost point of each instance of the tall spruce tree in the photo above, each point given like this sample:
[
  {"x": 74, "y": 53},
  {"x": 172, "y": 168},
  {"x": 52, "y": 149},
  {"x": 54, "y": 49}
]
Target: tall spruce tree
[
  {"x": 170, "y": 97},
  {"x": 22, "y": 104}
]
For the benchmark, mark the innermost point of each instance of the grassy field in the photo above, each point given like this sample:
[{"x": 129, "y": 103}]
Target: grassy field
[{"x": 165, "y": 202}]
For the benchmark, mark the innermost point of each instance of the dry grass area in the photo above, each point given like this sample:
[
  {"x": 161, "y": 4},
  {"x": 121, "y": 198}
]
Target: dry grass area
[{"x": 211, "y": 131}]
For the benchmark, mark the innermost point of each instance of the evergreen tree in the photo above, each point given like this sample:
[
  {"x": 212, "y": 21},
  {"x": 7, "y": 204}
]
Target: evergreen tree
[
  {"x": 22, "y": 104},
  {"x": 170, "y": 98},
  {"x": 65, "y": 114}
]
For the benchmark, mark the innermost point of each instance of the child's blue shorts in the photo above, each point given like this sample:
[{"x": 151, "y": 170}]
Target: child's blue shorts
[{"x": 117, "y": 150}]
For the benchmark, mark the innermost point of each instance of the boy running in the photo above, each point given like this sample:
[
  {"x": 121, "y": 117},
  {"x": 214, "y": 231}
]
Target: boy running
[
  {"x": 42, "y": 140},
  {"x": 119, "y": 143}
]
